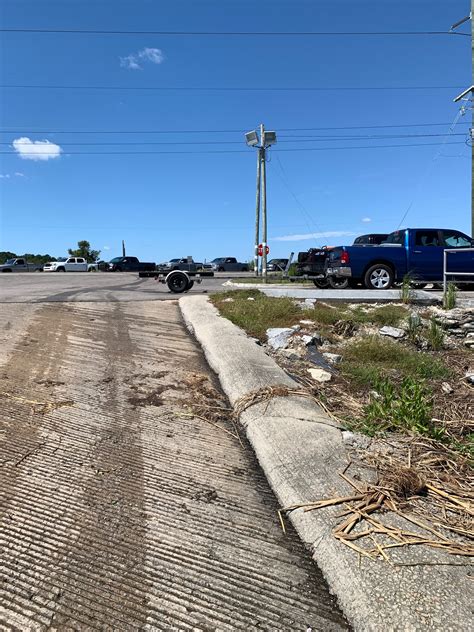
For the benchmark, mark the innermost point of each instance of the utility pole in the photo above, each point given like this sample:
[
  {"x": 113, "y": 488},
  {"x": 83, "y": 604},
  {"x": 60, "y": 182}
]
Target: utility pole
[
  {"x": 257, "y": 213},
  {"x": 264, "y": 203},
  {"x": 261, "y": 144},
  {"x": 472, "y": 124},
  {"x": 123, "y": 248}
]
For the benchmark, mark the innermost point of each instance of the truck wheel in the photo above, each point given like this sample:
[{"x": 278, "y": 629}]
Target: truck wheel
[
  {"x": 379, "y": 277},
  {"x": 322, "y": 284},
  {"x": 245, "y": 269},
  {"x": 6, "y": 270},
  {"x": 336, "y": 283},
  {"x": 61, "y": 270},
  {"x": 178, "y": 282},
  {"x": 220, "y": 269},
  {"x": 190, "y": 285}
]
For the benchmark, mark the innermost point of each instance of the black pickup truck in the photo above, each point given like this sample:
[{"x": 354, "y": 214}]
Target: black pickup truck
[{"x": 130, "y": 264}]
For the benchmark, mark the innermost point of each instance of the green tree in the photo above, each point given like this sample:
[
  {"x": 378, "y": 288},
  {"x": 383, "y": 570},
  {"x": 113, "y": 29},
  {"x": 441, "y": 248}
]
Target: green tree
[
  {"x": 4, "y": 255},
  {"x": 84, "y": 250}
]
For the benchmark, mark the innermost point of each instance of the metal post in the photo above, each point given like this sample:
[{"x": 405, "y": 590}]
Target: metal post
[
  {"x": 264, "y": 204},
  {"x": 257, "y": 215},
  {"x": 445, "y": 278},
  {"x": 123, "y": 248},
  {"x": 472, "y": 143}
]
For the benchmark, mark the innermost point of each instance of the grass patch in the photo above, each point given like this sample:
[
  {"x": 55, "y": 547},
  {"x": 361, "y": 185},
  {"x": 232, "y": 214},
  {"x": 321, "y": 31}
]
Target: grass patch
[
  {"x": 256, "y": 316},
  {"x": 372, "y": 358}
]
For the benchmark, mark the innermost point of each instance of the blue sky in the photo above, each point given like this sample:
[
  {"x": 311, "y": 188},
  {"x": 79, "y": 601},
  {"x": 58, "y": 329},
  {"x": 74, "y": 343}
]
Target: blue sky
[{"x": 202, "y": 204}]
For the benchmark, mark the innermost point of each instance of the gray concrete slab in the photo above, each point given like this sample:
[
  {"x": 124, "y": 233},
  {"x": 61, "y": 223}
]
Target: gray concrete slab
[
  {"x": 301, "y": 452},
  {"x": 121, "y": 510}
]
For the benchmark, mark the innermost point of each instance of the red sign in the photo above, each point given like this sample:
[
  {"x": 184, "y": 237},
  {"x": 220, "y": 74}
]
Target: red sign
[{"x": 260, "y": 250}]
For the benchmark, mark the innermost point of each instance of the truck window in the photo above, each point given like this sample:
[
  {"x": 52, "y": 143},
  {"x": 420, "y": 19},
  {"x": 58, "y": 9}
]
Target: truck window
[
  {"x": 397, "y": 237},
  {"x": 81, "y": 260},
  {"x": 427, "y": 238},
  {"x": 71, "y": 260},
  {"x": 20, "y": 262},
  {"x": 453, "y": 239}
]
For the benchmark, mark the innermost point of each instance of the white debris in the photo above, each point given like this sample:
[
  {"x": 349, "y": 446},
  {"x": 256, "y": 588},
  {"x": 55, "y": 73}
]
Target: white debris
[
  {"x": 470, "y": 377},
  {"x": 250, "y": 298},
  {"x": 393, "y": 332},
  {"x": 447, "y": 388},
  {"x": 333, "y": 358},
  {"x": 307, "y": 340},
  {"x": 228, "y": 300},
  {"x": 278, "y": 337},
  {"x": 307, "y": 322},
  {"x": 320, "y": 375}
]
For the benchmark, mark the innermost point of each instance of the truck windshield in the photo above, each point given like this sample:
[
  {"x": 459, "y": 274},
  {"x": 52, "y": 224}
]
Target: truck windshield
[
  {"x": 116, "y": 260},
  {"x": 218, "y": 260},
  {"x": 9, "y": 262}
]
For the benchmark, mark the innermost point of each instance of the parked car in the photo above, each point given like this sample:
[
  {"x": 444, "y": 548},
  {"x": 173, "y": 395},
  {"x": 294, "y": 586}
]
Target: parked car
[
  {"x": 19, "y": 265},
  {"x": 71, "y": 264},
  {"x": 228, "y": 264},
  {"x": 414, "y": 251},
  {"x": 277, "y": 265},
  {"x": 373, "y": 239},
  {"x": 130, "y": 264}
]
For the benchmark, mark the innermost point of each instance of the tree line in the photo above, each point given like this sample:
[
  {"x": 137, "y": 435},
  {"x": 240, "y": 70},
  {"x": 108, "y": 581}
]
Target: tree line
[{"x": 83, "y": 250}]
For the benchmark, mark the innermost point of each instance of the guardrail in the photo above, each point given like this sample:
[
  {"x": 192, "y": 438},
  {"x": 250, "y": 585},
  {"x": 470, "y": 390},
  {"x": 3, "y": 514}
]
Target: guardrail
[{"x": 447, "y": 273}]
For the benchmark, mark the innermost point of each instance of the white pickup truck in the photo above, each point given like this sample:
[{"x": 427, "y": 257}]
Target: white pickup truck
[
  {"x": 72, "y": 264},
  {"x": 19, "y": 265}
]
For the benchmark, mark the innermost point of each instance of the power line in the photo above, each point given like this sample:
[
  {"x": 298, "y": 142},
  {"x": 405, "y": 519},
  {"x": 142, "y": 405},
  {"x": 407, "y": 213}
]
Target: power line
[
  {"x": 239, "y": 33},
  {"x": 228, "y": 89},
  {"x": 223, "y": 151},
  {"x": 238, "y": 142},
  {"x": 221, "y": 131}
]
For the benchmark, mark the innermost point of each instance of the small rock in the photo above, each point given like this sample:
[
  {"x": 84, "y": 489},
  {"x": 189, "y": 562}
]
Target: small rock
[
  {"x": 296, "y": 327},
  {"x": 375, "y": 395},
  {"x": 308, "y": 303},
  {"x": 447, "y": 388},
  {"x": 278, "y": 337},
  {"x": 250, "y": 298},
  {"x": 291, "y": 354},
  {"x": 307, "y": 340},
  {"x": 333, "y": 358},
  {"x": 393, "y": 332},
  {"x": 320, "y": 375},
  {"x": 307, "y": 322},
  {"x": 228, "y": 300}
]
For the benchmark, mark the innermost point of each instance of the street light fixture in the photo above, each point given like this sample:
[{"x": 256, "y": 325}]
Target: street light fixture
[
  {"x": 262, "y": 143},
  {"x": 251, "y": 138}
]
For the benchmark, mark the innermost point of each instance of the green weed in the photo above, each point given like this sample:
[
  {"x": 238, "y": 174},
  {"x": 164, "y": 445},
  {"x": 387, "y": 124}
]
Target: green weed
[
  {"x": 434, "y": 335},
  {"x": 406, "y": 292},
  {"x": 450, "y": 296}
]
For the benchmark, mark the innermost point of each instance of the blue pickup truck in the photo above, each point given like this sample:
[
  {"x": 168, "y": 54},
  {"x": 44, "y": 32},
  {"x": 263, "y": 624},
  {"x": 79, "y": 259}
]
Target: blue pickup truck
[{"x": 414, "y": 251}]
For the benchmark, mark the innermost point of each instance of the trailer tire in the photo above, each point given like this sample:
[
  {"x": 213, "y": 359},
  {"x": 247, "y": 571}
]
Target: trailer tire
[
  {"x": 379, "y": 277},
  {"x": 322, "y": 284},
  {"x": 338, "y": 283},
  {"x": 177, "y": 282}
]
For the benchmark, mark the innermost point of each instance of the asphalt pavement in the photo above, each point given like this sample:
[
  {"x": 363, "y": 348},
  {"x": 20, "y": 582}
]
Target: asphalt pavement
[{"x": 91, "y": 287}]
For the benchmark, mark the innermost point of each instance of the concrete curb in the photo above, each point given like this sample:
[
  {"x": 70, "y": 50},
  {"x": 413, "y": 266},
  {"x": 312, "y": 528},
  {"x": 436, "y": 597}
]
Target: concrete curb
[
  {"x": 353, "y": 295},
  {"x": 301, "y": 451}
]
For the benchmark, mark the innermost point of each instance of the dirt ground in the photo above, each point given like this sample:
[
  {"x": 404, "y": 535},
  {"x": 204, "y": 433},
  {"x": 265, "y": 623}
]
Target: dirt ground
[{"x": 120, "y": 509}]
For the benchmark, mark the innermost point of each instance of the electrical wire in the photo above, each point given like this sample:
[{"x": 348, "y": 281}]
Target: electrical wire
[
  {"x": 217, "y": 131},
  {"x": 237, "y": 142},
  {"x": 229, "y": 89},
  {"x": 224, "y": 151},
  {"x": 437, "y": 153},
  {"x": 238, "y": 33}
]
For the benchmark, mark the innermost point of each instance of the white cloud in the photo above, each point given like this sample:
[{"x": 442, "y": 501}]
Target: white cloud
[
  {"x": 366, "y": 220},
  {"x": 134, "y": 60},
  {"x": 323, "y": 235},
  {"x": 7, "y": 176},
  {"x": 36, "y": 149},
  {"x": 105, "y": 247}
]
